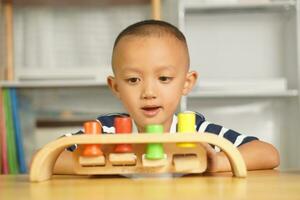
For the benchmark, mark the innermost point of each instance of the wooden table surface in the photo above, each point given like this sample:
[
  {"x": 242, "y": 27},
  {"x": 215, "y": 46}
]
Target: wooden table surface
[{"x": 269, "y": 184}]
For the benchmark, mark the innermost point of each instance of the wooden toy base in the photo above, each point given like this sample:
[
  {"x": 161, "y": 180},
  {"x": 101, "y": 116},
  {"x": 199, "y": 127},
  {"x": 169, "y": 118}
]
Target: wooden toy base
[
  {"x": 91, "y": 161},
  {"x": 154, "y": 163},
  {"x": 122, "y": 159},
  {"x": 145, "y": 166},
  {"x": 187, "y": 160}
]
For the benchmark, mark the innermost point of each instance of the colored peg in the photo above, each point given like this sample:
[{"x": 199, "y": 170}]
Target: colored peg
[
  {"x": 155, "y": 156},
  {"x": 123, "y": 125},
  {"x": 91, "y": 154},
  {"x": 92, "y": 128},
  {"x": 122, "y": 155},
  {"x": 154, "y": 151},
  {"x": 186, "y": 124}
]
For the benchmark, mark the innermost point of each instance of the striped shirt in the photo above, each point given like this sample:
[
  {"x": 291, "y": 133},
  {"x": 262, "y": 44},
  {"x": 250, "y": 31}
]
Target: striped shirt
[{"x": 237, "y": 139}]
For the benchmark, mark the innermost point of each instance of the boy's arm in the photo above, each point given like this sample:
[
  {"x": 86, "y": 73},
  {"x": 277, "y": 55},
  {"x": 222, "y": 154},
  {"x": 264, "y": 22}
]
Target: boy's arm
[
  {"x": 64, "y": 163},
  {"x": 256, "y": 154}
]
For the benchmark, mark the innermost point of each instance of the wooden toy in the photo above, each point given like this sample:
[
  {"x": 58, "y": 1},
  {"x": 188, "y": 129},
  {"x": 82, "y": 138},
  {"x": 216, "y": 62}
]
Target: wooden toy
[
  {"x": 171, "y": 157},
  {"x": 43, "y": 162}
]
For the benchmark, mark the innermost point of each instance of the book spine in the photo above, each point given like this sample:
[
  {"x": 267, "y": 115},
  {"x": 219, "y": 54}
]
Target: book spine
[
  {"x": 18, "y": 133},
  {"x": 4, "y": 161},
  {"x": 10, "y": 138}
]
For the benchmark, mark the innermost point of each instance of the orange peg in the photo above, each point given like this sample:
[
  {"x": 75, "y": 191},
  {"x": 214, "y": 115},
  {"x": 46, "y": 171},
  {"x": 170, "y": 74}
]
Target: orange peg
[
  {"x": 92, "y": 128},
  {"x": 123, "y": 125}
]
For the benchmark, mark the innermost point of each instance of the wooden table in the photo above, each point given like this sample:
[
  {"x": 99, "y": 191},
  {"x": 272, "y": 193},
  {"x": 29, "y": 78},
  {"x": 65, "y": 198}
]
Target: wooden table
[{"x": 270, "y": 184}]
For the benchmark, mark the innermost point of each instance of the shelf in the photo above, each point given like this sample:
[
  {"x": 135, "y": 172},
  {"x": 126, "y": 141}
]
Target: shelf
[
  {"x": 52, "y": 83},
  {"x": 244, "y": 94},
  {"x": 49, "y": 122},
  {"x": 218, "y": 5}
]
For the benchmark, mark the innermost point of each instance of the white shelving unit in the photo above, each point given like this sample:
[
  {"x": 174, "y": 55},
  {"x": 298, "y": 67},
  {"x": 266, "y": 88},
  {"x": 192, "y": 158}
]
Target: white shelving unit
[{"x": 247, "y": 55}]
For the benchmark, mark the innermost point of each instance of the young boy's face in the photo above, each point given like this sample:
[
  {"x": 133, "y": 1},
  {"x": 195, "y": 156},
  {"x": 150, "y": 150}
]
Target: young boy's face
[{"x": 151, "y": 75}]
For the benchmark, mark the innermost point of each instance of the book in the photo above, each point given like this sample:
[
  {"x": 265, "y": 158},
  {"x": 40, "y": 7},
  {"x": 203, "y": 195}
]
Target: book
[
  {"x": 1, "y": 129},
  {"x": 17, "y": 129},
  {"x": 4, "y": 162},
  {"x": 10, "y": 137}
]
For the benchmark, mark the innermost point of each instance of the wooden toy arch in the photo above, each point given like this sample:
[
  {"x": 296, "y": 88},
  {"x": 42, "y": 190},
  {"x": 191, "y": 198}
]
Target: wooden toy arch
[{"x": 44, "y": 161}]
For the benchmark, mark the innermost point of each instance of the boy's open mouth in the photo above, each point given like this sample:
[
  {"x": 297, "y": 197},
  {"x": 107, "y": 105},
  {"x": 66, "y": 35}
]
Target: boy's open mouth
[{"x": 151, "y": 111}]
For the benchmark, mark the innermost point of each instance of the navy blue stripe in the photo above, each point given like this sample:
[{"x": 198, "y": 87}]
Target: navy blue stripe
[
  {"x": 248, "y": 139},
  {"x": 72, "y": 148},
  {"x": 199, "y": 120},
  {"x": 78, "y": 132},
  {"x": 231, "y": 135},
  {"x": 213, "y": 128}
]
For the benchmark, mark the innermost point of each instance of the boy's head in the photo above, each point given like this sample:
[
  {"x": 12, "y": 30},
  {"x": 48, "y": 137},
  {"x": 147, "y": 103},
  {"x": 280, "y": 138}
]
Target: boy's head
[{"x": 151, "y": 71}]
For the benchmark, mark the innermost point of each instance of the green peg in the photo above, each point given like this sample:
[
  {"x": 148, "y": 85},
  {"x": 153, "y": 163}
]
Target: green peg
[{"x": 154, "y": 151}]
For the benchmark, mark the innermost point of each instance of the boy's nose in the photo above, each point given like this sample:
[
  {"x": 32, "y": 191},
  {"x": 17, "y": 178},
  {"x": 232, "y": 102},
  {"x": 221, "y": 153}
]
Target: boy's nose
[{"x": 148, "y": 92}]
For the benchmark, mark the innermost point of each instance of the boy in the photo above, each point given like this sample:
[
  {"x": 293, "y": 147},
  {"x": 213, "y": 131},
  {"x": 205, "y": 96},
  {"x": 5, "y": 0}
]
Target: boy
[{"x": 150, "y": 63}]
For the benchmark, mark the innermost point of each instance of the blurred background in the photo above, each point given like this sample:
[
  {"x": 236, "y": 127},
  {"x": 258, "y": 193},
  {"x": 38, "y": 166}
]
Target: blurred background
[{"x": 56, "y": 54}]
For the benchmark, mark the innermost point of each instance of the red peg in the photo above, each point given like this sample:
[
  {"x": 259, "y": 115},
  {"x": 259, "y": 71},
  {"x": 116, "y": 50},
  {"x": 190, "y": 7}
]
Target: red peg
[
  {"x": 123, "y": 125},
  {"x": 92, "y": 128}
]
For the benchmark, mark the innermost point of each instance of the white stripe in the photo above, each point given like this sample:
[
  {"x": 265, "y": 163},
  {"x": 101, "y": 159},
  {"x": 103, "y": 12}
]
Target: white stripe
[
  {"x": 203, "y": 126},
  {"x": 174, "y": 124},
  {"x": 134, "y": 128},
  {"x": 221, "y": 134},
  {"x": 217, "y": 149},
  {"x": 108, "y": 129},
  {"x": 239, "y": 140},
  {"x": 223, "y": 131},
  {"x": 99, "y": 122}
]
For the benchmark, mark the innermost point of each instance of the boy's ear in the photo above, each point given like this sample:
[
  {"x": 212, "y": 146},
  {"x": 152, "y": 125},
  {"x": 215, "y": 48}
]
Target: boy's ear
[
  {"x": 112, "y": 84},
  {"x": 190, "y": 81}
]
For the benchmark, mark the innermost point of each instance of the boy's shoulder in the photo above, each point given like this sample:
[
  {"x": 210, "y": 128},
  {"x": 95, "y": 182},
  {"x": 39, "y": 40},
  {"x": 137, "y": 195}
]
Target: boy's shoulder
[{"x": 199, "y": 117}]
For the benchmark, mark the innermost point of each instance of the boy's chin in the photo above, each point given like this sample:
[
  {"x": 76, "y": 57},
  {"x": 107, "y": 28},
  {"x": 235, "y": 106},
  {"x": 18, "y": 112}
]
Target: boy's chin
[{"x": 146, "y": 122}]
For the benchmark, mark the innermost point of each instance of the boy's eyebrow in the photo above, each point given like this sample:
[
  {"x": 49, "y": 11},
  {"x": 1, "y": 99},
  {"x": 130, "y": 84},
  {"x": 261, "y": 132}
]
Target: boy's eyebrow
[
  {"x": 133, "y": 69},
  {"x": 164, "y": 67},
  {"x": 130, "y": 69}
]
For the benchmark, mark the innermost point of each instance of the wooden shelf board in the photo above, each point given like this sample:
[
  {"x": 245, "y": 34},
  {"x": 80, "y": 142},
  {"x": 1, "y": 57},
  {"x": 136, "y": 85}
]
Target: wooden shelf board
[
  {"x": 192, "y": 4},
  {"x": 240, "y": 93},
  {"x": 52, "y": 83}
]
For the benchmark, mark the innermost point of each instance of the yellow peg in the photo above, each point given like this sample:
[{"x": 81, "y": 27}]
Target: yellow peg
[{"x": 186, "y": 124}]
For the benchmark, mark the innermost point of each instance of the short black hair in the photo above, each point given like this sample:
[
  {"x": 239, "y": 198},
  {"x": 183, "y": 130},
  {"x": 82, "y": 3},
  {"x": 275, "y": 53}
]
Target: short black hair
[{"x": 151, "y": 28}]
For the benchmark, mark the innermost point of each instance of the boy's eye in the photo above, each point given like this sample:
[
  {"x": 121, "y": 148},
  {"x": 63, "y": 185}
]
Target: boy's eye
[
  {"x": 133, "y": 80},
  {"x": 165, "y": 79}
]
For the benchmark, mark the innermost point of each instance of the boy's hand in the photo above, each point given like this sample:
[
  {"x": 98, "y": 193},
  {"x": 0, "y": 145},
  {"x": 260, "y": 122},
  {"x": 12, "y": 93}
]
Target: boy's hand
[
  {"x": 216, "y": 161},
  {"x": 212, "y": 160}
]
